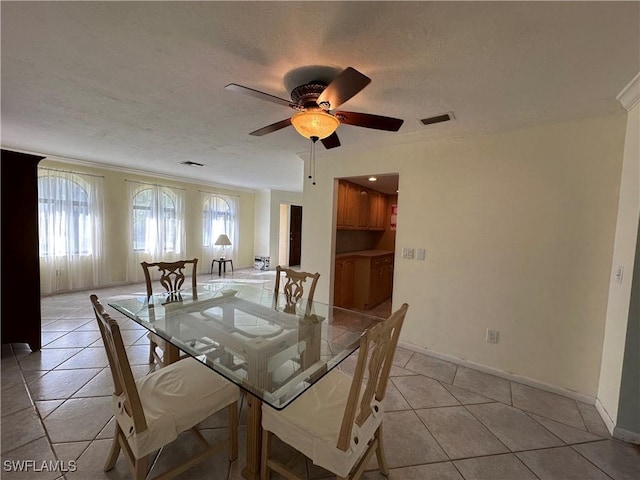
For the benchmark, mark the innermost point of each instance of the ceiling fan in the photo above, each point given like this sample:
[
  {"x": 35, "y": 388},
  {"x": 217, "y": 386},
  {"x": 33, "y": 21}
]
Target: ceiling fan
[{"x": 315, "y": 103}]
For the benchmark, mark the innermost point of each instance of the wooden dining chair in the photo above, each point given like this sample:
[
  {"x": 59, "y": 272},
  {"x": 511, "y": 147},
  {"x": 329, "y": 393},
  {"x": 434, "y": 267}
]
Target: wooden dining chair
[
  {"x": 151, "y": 412},
  {"x": 286, "y": 364},
  {"x": 337, "y": 423},
  {"x": 172, "y": 278},
  {"x": 293, "y": 287}
]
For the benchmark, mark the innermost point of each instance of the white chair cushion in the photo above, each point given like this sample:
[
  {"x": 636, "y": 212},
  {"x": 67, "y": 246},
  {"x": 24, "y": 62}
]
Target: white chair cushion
[
  {"x": 174, "y": 399},
  {"x": 311, "y": 424}
]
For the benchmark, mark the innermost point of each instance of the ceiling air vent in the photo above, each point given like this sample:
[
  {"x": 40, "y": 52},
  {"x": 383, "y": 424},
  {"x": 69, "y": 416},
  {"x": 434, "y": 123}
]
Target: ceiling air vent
[
  {"x": 445, "y": 117},
  {"x": 192, "y": 164}
]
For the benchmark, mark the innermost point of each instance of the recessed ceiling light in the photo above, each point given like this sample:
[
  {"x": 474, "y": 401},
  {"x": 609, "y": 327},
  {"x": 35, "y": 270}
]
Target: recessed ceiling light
[
  {"x": 373, "y": 179},
  {"x": 192, "y": 164}
]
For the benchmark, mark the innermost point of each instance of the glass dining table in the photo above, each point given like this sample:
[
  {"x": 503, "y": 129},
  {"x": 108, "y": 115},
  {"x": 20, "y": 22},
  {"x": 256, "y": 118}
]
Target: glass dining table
[{"x": 274, "y": 350}]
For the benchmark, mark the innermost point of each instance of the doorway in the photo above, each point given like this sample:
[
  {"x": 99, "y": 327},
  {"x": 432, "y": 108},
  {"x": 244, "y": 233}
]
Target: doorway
[
  {"x": 295, "y": 235},
  {"x": 365, "y": 242},
  {"x": 290, "y": 235}
]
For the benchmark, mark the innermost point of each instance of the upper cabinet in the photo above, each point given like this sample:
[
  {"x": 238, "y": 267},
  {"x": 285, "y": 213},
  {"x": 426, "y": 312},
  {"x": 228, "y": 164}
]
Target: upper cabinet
[
  {"x": 360, "y": 208},
  {"x": 377, "y": 210},
  {"x": 347, "y": 205}
]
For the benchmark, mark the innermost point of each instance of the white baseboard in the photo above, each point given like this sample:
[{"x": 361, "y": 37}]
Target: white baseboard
[
  {"x": 616, "y": 432},
  {"x": 626, "y": 435},
  {"x": 606, "y": 418},
  {"x": 503, "y": 374}
]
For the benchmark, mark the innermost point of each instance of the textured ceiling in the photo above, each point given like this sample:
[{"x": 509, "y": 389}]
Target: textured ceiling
[{"x": 141, "y": 84}]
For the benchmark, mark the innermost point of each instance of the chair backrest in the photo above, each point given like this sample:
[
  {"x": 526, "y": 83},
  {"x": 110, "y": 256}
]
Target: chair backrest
[
  {"x": 172, "y": 275},
  {"x": 377, "y": 348},
  {"x": 123, "y": 380},
  {"x": 293, "y": 288}
]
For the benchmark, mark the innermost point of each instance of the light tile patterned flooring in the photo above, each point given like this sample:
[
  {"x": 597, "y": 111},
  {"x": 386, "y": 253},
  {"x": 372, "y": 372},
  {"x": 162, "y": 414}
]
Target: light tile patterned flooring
[{"x": 442, "y": 421}]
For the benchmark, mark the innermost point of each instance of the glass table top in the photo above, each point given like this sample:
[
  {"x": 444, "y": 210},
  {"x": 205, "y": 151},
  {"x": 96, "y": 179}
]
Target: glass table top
[{"x": 271, "y": 348}]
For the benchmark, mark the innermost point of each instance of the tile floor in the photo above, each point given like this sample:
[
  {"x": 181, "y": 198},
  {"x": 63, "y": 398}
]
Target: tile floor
[{"x": 442, "y": 421}]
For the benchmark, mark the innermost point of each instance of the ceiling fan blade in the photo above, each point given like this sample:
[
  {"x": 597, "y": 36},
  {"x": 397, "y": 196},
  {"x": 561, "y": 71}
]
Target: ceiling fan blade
[
  {"x": 343, "y": 87},
  {"x": 258, "y": 94},
  {"x": 370, "y": 121},
  {"x": 274, "y": 127},
  {"x": 332, "y": 141}
]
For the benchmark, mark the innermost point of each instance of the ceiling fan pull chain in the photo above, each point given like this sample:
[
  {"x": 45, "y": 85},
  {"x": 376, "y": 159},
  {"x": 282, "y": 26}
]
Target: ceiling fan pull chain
[
  {"x": 310, "y": 159},
  {"x": 312, "y": 163}
]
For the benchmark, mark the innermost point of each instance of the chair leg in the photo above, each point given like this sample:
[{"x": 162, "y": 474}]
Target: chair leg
[
  {"x": 233, "y": 431},
  {"x": 382, "y": 461},
  {"x": 115, "y": 450},
  {"x": 140, "y": 468},
  {"x": 264, "y": 468},
  {"x": 152, "y": 349}
]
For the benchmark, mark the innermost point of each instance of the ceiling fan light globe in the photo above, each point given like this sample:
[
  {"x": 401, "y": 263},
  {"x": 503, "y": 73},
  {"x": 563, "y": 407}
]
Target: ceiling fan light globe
[{"x": 315, "y": 123}]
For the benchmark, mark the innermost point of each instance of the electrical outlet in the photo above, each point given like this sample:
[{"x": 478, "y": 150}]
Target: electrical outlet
[
  {"x": 407, "y": 253},
  {"x": 493, "y": 336}
]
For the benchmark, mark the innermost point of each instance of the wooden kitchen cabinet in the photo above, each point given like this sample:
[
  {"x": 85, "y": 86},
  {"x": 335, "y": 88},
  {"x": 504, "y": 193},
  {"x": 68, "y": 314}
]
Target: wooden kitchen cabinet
[
  {"x": 347, "y": 214},
  {"x": 360, "y": 208},
  {"x": 373, "y": 280},
  {"x": 386, "y": 285},
  {"x": 377, "y": 210},
  {"x": 343, "y": 282},
  {"x": 363, "y": 209}
]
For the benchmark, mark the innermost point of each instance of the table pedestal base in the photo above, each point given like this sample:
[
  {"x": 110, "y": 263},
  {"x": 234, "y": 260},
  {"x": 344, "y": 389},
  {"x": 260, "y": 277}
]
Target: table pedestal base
[{"x": 251, "y": 471}]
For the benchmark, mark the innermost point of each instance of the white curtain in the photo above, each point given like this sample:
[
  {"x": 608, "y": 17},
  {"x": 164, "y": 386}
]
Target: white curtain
[
  {"x": 219, "y": 215},
  {"x": 70, "y": 219},
  {"x": 155, "y": 226}
]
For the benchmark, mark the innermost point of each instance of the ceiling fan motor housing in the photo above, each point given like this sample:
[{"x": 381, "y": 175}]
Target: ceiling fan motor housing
[{"x": 305, "y": 96}]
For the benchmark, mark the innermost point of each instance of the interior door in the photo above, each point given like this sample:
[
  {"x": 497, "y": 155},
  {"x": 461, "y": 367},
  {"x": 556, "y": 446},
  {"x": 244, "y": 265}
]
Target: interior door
[{"x": 295, "y": 235}]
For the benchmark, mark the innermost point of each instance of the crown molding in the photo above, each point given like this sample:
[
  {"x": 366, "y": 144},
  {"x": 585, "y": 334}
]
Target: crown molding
[{"x": 630, "y": 94}]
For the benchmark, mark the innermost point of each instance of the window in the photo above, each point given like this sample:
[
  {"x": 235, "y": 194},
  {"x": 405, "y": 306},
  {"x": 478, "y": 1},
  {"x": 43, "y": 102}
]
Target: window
[
  {"x": 64, "y": 218},
  {"x": 219, "y": 215},
  {"x": 217, "y": 219},
  {"x": 70, "y": 217},
  {"x": 155, "y": 220}
]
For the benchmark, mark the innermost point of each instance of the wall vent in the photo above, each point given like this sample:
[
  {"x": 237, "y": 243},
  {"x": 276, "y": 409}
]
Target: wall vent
[
  {"x": 192, "y": 164},
  {"x": 445, "y": 117}
]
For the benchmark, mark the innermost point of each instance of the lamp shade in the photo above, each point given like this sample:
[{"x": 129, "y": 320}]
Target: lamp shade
[
  {"x": 223, "y": 240},
  {"x": 315, "y": 123}
]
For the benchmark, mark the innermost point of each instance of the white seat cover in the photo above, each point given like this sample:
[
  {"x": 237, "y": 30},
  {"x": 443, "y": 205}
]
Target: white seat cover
[
  {"x": 174, "y": 399},
  {"x": 312, "y": 424}
]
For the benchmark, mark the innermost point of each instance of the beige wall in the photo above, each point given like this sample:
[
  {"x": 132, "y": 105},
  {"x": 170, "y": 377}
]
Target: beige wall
[
  {"x": 116, "y": 243},
  {"x": 267, "y": 223},
  {"x": 625, "y": 249},
  {"x": 279, "y": 197},
  {"x": 518, "y": 228},
  {"x": 262, "y": 222}
]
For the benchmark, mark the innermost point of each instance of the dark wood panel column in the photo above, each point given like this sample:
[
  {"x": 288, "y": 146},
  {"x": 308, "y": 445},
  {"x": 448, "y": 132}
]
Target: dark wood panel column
[{"x": 20, "y": 279}]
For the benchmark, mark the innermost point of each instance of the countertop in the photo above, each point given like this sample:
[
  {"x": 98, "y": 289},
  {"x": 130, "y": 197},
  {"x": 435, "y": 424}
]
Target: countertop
[{"x": 365, "y": 253}]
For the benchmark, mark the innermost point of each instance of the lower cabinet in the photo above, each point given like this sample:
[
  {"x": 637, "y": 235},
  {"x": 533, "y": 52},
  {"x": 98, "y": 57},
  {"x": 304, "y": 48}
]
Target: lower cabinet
[
  {"x": 343, "y": 282},
  {"x": 373, "y": 280}
]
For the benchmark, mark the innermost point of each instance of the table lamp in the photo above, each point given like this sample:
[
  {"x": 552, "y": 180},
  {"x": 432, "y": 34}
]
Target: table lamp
[{"x": 223, "y": 241}]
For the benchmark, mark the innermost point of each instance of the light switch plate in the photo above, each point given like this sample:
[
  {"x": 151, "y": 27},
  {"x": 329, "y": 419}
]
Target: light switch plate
[
  {"x": 421, "y": 254},
  {"x": 407, "y": 253}
]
